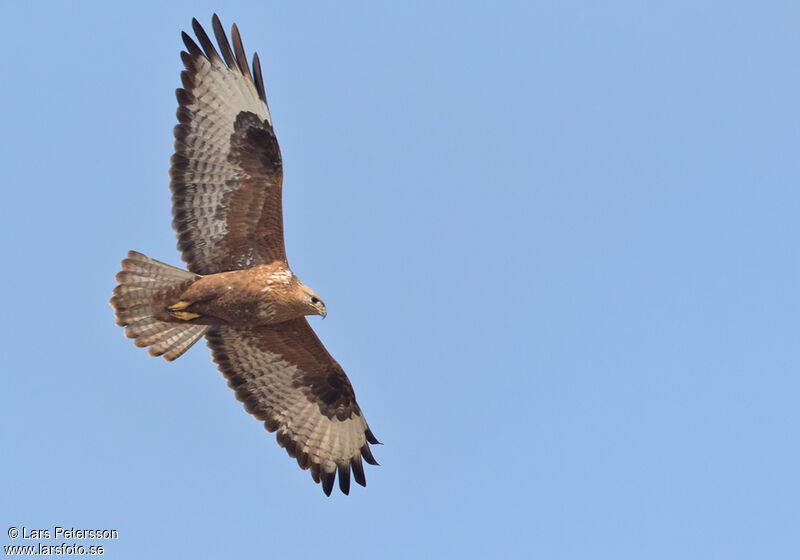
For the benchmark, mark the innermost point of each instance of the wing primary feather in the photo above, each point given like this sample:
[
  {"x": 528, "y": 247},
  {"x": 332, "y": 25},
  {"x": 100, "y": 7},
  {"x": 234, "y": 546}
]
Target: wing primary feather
[
  {"x": 367, "y": 454},
  {"x": 185, "y": 118},
  {"x": 282, "y": 439},
  {"x": 188, "y": 60},
  {"x": 258, "y": 77},
  {"x": 205, "y": 42},
  {"x": 371, "y": 438},
  {"x": 302, "y": 460},
  {"x": 187, "y": 81},
  {"x": 327, "y": 482},
  {"x": 291, "y": 447},
  {"x": 191, "y": 46},
  {"x": 358, "y": 470},
  {"x": 315, "y": 472},
  {"x": 184, "y": 97},
  {"x": 222, "y": 41},
  {"x": 344, "y": 478},
  {"x": 241, "y": 57}
]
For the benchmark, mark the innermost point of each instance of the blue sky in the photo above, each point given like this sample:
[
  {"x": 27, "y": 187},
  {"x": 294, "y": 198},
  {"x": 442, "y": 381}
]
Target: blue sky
[{"x": 558, "y": 243}]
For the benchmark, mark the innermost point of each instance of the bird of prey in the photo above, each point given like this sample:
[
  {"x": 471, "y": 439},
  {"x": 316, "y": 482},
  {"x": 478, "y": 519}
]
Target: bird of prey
[{"x": 239, "y": 292}]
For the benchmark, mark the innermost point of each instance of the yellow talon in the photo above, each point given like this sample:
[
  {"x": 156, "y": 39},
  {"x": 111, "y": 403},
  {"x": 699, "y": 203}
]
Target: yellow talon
[
  {"x": 180, "y": 305},
  {"x": 184, "y": 315}
]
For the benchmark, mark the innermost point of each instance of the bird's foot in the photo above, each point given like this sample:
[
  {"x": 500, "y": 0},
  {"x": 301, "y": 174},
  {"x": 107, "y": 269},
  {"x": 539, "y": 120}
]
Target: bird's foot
[
  {"x": 176, "y": 310},
  {"x": 179, "y": 306},
  {"x": 184, "y": 315}
]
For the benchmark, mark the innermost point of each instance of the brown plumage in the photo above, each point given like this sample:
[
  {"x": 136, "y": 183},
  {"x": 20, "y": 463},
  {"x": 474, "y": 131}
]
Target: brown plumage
[{"x": 239, "y": 291}]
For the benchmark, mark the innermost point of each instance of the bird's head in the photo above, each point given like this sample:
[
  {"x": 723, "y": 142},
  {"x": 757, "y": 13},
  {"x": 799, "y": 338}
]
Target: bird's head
[
  {"x": 312, "y": 302},
  {"x": 289, "y": 298}
]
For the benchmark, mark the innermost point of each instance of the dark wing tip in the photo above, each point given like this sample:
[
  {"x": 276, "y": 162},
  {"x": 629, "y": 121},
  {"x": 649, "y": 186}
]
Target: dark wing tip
[
  {"x": 367, "y": 454},
  {"x": 315, "y": 472},
  {"x": 259, "y": 79},
  {"x": 205, "y": 42},
  {"x": 327, "y": 482},
  {"x": 371, "y": 437},
  {"x": 191, "y": 46},
  {"x": 222, "y": 41},
  {"x": 358, "y": 470},
  {"x": 241, "y": 57},
  {"x": 232, "y": 57},
  {"x": 344, "y": 478}
]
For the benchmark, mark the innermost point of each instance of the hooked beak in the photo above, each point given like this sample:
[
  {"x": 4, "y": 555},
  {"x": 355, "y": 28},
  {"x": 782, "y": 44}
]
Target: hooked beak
[{"x": 321, "y": 309}]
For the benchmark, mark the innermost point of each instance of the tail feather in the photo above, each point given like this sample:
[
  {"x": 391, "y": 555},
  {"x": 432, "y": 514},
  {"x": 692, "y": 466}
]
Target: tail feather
[
  {"x": 178, "y": 342},
  {"x": 145, "y": 287}
]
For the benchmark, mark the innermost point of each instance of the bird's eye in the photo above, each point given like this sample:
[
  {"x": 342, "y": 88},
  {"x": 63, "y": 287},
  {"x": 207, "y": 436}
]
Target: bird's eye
[{"x": 314, "y": 300}]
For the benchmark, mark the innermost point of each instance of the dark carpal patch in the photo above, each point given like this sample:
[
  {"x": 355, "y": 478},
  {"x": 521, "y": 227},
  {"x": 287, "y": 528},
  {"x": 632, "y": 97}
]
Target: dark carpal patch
[
  {"x": 331, "y": 391},
  {"x": 253, "y": 144}
]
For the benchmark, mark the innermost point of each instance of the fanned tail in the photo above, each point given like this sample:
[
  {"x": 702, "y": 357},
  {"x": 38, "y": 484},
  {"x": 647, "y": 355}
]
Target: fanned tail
[{"x": 145, "y": 287}]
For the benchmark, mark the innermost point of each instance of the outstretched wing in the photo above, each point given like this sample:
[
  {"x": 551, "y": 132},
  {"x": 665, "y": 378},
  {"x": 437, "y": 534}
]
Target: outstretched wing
[
  {"x": 226, "y": 172},
  {"x": 285, "y": 377}
]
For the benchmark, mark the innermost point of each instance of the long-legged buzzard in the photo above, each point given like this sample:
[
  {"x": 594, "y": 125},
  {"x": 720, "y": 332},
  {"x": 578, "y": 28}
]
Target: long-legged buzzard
[{"x": 239, "y": 290}]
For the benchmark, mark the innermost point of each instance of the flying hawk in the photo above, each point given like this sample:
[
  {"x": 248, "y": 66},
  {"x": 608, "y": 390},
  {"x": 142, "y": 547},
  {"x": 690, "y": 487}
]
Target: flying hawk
[{"x": 239, "y": 291}]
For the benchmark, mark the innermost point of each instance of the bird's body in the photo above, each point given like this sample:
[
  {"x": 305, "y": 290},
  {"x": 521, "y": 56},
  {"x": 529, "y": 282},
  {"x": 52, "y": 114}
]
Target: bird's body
[
  {"x": 239, "y": 291},
  {"x": 259, "y": 296}
]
